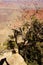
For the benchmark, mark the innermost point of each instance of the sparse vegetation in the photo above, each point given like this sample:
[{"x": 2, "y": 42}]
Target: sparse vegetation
[{"x": 30, "y": 49}]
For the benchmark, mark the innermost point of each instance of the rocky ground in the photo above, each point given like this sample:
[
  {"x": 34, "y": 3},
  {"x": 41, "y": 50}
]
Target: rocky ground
[{"x": 12, "y": 59}]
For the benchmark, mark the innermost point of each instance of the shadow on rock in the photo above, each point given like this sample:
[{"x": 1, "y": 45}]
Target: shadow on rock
[{"x": 3, "y": 60}]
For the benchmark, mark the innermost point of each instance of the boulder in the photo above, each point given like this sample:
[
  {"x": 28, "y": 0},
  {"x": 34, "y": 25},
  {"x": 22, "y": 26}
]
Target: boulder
[{"x": 13, "y": 59}]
